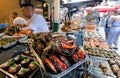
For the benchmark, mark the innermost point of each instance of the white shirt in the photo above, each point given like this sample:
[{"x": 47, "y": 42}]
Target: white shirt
[
  {"x": 38, "y": 24},
  {"x": 19, "y": 20}
]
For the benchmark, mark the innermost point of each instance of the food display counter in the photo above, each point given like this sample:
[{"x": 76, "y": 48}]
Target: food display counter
[
  {"x": 104, "y": 61},
  {"x": 58, "y": 56},
  {"x": 51, "y": 43}
]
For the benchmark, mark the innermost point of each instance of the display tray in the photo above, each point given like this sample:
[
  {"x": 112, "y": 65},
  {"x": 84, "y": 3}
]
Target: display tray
[
  {"x": 68, "y": 69},
  {"x": 2, "y": 34},
  {"x": 7, "y": 36},
  {"x": 18, "y": 62},
  {"x": 96, "y": 70},
  {"x": 103, "y": 53},
  {"x": 9, "y": 45},
  {"x": 15, "y": 39},
  {"x": 99, "y": 58},
  {"x": 22, "y": 39},
  {"x": 11, "y": 76},
  {"x": 92, "y": 34}
]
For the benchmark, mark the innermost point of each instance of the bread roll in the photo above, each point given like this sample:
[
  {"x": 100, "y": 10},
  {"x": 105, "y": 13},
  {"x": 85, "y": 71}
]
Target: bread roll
[
  {"x": 103, "y": 65},
  {"x": 115, "y": 68},
  {"x": 118, "y": 73},
  {"x": 111, "y": 61},
  {"x": 106, "y": 72}
]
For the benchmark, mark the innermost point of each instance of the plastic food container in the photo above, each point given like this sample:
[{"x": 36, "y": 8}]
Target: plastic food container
[{"x": 68, "y": 70}]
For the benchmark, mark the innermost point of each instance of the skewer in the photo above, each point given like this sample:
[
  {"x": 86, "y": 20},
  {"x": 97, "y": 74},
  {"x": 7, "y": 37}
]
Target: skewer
[{"x": 38, "y": 59}]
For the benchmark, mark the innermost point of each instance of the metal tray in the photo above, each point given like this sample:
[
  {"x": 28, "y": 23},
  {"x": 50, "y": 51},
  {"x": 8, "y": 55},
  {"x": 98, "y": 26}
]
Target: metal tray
[
  {"x": 99, "y": 58},
  {"x": 68, "y": 69},
  {"x": 2, "y": 34},
  {"x": 9, "y": 45},
  {"x": 10, "y": 75},
  {"x": 13, "y": 76},
  {"x": 95, "y": 70},
  {"x": 22, "y": 39},
  {"x": 97, "y": 75}
]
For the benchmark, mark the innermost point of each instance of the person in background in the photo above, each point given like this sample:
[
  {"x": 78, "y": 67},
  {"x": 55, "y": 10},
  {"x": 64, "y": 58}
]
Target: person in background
[
  {"x": 18, "y": 20},
  {"x": 36, "y": 22},
  {"x": 114, "y": 24},
  {"x": 107, "y": 29}
]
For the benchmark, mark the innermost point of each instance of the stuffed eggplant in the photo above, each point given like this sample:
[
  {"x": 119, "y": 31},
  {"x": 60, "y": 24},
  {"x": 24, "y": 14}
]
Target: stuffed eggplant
[
  {"x": 33, "y": 65},
  {"x": 50, "y": 67},
  {"x": 82, "y": 55},
  {"x": 64, "y": 60},
  {"x": 18, "y": 59},
  {"x": 25, "y": 63},
  {"x": 23, "y": 73},
  {"x": 7, "y": 64},
  {"x": 75, "y": 58},
  {"x": 62, "y": 65},
  {"x": 14, "y": 69},
  {"x": 58, "y": 63}
]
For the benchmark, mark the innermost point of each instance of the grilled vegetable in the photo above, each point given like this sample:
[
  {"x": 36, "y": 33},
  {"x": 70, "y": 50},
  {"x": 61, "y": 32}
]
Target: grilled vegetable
[
  {"x": 33, "y": 65},
  {"x": 68, "y": 42},
  {"x": 75, "y": 57},
  {"x": 58, "y": 66},
  {"x": 23, "y": 73},
  {"x": 17, "y": 59},
  {"x": 64, "y": 60},
  {"x": 25, "y": 63},
  {"x": 50, "y": 66},
  {"x": 81, "y": 54},
  {"x": 59, "y": 62},
  {"x": 6, "y": 65},
  {"x": 14, "y": 69},
  {"x": 68, "y": 47}
]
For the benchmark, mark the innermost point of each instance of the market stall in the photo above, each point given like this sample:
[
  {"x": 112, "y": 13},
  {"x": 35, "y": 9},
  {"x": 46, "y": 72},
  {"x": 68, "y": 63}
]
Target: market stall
[
  {"x": 54, "y": 55},
  {"x": 45, "y": 48}
]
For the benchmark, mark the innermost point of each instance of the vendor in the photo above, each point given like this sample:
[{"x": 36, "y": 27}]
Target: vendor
[
  {"x": 18, "y": 20},
  {"x": 36, "y": 22}
]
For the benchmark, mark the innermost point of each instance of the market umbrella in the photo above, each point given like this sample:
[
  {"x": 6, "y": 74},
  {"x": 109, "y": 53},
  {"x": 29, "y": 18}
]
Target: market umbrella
[
  {"x": 88, "y": 9},
  {"x": 117, "y": 6},
  {"x": 104, "y": 8}
]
